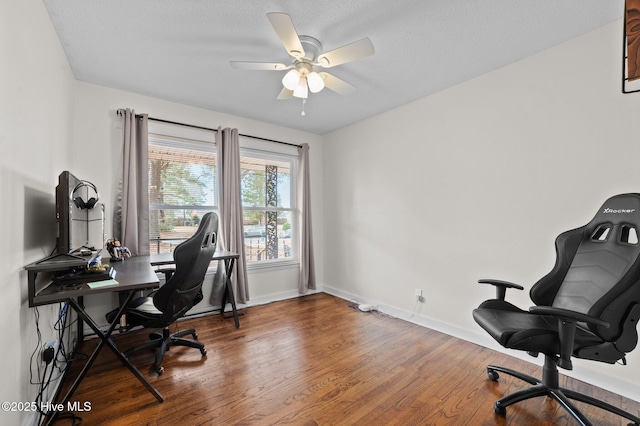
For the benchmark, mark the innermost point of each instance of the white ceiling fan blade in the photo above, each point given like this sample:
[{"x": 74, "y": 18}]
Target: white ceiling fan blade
[
  {"x": 347, "y": 53},
  {"x": 283, "y": 25},
  {"x": 337, "y": 85},
  {"x": 259, "y": 66},
  {"x": 285, "y": 94}
]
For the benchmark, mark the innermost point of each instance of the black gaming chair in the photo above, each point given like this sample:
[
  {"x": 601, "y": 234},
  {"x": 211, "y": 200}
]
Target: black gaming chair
[
  {"x": 182, "y": 291},
  {"x": 587, "y": 307}
]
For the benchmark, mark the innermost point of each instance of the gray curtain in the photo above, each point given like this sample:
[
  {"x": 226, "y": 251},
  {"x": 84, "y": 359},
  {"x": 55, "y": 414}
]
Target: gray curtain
[
  {"x": 131, "y": 212},
  {"x": 307, "y": 277},
  {"x": 231, "y": 235}
]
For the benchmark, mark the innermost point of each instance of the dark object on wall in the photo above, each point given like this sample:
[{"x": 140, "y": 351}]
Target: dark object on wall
[
  {"x": 587, "y": 307},
  {"x": 631, "y": 45}
]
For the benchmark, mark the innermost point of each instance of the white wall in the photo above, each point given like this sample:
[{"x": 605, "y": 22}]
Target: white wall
[
  {"x": 476, "y": 182},
  {"x": 97, "y": 137},
  {"x": 35, "y": 132}
]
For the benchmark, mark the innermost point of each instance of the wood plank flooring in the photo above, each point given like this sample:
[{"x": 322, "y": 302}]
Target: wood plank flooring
[{"x": 315, "y": 360}]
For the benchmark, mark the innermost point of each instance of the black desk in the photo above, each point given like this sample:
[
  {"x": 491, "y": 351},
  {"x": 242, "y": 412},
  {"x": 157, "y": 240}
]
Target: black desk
[
  {"x": 132, "y": 275},
  {"x": 229, "y": 259}
]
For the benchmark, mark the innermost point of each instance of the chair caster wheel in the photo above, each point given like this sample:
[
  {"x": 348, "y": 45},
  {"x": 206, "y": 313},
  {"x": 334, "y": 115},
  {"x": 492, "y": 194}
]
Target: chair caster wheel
[
  {"x": 499, "y": 409},
  {"x": 203, "y": 351},
  {"x": 195, "y": 336},
  {"x": 493, "y": 375},
  {"x": 160, "y": 371}
]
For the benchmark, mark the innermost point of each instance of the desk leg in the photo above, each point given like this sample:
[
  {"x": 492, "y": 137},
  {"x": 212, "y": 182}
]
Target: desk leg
[
  {"x": 80, "y": 322},
  {"x": 228, "y": 292},
  {"x": 105, "y": 338}
]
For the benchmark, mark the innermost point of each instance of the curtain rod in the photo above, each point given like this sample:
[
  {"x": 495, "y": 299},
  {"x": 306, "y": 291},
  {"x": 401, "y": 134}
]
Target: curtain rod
[{"x": 193, "y": 126}]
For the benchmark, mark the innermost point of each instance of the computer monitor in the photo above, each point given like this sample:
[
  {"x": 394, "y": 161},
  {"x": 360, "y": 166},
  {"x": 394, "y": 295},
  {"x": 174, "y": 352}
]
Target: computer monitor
[{"x": 73, "y": 221}]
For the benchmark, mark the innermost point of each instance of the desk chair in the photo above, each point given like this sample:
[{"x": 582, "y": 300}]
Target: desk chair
[
  {"x": 182, "y": 291},
  {"x": 587, "y": 307}
]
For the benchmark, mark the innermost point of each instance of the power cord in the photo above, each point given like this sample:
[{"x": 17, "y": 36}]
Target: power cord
[
  {"x": 53, "y": 359},
  {"x": 362, "y": 307},
  {"x": 416, "y": 309}
]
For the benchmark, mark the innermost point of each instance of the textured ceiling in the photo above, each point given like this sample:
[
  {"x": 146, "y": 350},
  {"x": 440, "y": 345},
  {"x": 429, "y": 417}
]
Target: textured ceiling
[{"x": 180, "y": 50}]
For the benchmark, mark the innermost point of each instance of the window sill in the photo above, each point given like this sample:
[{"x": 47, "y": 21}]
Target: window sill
[
  {"x": 260, "y": 266},
  {"x": 274, "y": 265}
]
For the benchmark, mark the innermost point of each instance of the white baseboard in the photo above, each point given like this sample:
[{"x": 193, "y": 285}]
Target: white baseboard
[
  {"x": 262, "y": 300},
  {"x": 586, "y": 373}
]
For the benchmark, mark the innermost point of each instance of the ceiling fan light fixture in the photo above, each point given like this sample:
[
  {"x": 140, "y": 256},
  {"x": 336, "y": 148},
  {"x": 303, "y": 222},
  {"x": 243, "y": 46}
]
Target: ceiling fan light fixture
[
  {"x": 301, "y": 91},
  {"x": 291, "y": 80},
  {"x": 316, "y": 83},
  {"x": 308, "y": 56}
]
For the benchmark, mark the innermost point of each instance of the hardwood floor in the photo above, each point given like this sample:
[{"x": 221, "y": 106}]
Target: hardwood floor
[{"x": 315, "y": 360}]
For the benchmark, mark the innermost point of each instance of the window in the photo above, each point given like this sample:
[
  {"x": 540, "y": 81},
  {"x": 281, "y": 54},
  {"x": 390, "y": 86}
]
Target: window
[
  {"x": 183, "y": 186},
  {"x": 182, "y": 182},
  {"x": 268, "y": 203}
]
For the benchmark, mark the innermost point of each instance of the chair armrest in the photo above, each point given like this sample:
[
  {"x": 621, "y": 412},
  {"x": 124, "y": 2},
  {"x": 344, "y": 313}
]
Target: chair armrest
[
  {"x": 501, "y": 286},
  {"x": 567, "y": 329},
  {"x": 568, "y": 315},
  {"x": 168, "y": 272}
]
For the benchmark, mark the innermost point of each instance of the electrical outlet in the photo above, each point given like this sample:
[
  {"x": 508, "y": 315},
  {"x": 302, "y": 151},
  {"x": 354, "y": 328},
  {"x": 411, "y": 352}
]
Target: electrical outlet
[{"x": 418, "y": 293}]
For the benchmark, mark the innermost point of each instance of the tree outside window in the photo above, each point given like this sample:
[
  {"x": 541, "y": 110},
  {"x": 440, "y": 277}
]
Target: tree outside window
[
  {"x": 181, "y": 190},
  {"x": 267, "y": 205}
]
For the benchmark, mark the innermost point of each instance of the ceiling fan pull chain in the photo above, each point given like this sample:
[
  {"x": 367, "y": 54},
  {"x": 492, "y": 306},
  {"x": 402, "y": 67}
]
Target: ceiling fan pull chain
[{"x": 304, "y": 101}]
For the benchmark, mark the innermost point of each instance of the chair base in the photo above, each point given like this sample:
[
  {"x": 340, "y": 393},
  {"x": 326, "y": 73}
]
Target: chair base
[
  {"x": 548, "y": 386},
  {"x": 164, "y": 341}
]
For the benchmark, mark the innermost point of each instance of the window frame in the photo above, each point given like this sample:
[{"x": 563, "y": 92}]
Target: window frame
[
  {"x": 170, "y": 134},
  {"x": 251, "y": 150}
]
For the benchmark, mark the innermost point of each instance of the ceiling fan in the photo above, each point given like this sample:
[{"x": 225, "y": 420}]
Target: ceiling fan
[{"x": 306, "y": 59}]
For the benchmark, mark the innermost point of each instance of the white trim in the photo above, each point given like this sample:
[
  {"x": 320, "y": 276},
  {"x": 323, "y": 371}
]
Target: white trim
[
  {"x": 586, "y": 373},
  {"x": 262, "y": 300},
  {"x": 169, "y": 141},
  {"x": 279, "y": 155},
  {"x": 178, "y": 131}
]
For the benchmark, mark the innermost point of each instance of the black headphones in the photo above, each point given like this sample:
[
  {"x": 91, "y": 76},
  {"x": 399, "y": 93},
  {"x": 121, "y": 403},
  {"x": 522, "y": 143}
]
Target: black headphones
[{"x": 78, "y": 201}]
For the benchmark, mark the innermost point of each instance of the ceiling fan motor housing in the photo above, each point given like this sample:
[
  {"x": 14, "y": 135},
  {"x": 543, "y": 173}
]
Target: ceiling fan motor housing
[{"x": 311, "y": 46}]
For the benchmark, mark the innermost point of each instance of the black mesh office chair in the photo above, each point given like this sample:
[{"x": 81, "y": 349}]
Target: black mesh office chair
[
  {"x": 182, "y": 291},
  {"x": 587, "y": 307}
]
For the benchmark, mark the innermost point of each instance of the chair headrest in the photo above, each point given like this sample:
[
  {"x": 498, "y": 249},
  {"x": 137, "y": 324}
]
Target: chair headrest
[{"x": 623, "y": 208}]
